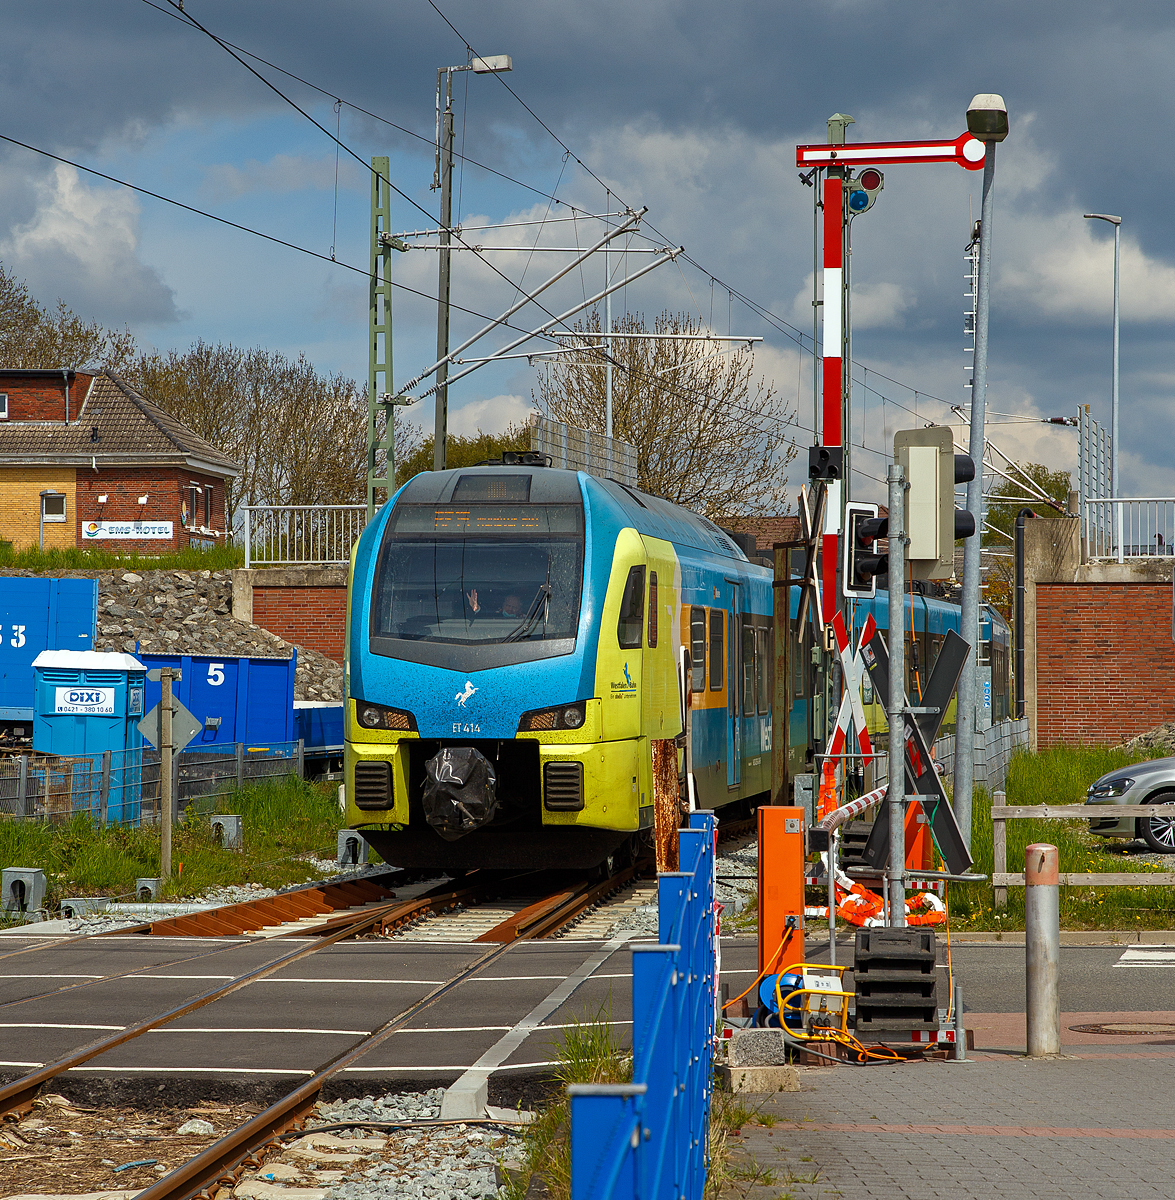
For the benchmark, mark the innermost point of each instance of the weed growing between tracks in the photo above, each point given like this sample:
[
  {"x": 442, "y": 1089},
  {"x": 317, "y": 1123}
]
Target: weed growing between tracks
[{"x": 284, "y": 822}]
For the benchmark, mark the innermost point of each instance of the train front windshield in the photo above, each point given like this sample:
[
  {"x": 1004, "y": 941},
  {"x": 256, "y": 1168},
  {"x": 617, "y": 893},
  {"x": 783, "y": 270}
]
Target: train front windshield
[{"x": 480, "y": 574}]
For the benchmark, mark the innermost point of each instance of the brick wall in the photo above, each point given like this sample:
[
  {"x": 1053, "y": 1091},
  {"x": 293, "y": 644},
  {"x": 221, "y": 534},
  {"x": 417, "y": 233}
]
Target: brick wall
[
  {"x": 1105, "y": 662},
  {"x": 166, "y": 489},
  {"x": 44, "y": 399},
  {"x": 313, "y": 615},
  {"x": 20, "y": 506}
]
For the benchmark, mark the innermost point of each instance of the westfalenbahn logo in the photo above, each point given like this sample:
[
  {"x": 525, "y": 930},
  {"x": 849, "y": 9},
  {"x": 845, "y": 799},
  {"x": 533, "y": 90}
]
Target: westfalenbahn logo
[{"x": 623, "y": 687}]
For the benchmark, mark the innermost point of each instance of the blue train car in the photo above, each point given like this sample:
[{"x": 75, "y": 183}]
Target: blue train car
[
  {"x": 513, "y": 644},
  {"x": 37, "y": 615}
]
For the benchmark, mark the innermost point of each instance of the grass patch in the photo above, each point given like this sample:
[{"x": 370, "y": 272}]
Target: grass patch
[
  {"x": 283, "y": 820},
  {"x": 1061, "y": 775},
  {"x": 91, "y": 558}
]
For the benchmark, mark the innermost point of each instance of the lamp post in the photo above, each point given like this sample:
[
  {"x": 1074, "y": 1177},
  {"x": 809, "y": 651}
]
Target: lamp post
[
  {"x": 987, "y": 120},
  {"x": 1114, "y": 489},
  {"x": 443, "y": 179}
]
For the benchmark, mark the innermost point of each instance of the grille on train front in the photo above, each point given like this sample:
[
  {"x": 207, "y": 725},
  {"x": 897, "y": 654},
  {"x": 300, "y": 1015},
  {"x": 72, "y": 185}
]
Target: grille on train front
[
  {"x": 373, "y": 785},
  {"x": 563, "y": 786}
]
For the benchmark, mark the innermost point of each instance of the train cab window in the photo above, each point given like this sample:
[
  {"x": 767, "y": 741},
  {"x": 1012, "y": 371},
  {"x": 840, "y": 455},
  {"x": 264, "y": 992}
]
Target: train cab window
[
  {"x": 697, "y": 648},
  {"x": 717, "y": 637},
  {"x": 748, "y": 661},
  {"x": 763, "y": 654},
  {"x": 630, "y": 627},
  {"x": 652, "y": 608}
]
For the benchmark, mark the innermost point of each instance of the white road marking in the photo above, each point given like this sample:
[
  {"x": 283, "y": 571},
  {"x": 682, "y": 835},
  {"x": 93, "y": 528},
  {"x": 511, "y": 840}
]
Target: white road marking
[
  {"x": 48, "y": 1025},
  {"x": 1147, "y": 956},
  {"x": 20, "y": 1064},
  {"x": 189, "y": 1070},
  {"x": 508, "y": 1067}
]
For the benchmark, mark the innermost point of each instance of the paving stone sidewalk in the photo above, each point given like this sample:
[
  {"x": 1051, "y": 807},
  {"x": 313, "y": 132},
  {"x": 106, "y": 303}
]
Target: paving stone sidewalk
[{"x": 999, "y": 1126}]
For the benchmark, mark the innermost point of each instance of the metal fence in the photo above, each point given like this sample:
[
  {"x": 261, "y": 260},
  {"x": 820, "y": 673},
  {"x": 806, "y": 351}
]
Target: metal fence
[
  {"x": 122, "y": 787},
  {"x": 1139, "y": 527},
  {"x": 647, "y": 1140},
  {"x": 1094, "y": 451},
  {"x": 302, "y": 534}
]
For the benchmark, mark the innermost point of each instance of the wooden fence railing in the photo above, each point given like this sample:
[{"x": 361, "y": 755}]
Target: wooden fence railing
[{"x": 1002, "y": 812}]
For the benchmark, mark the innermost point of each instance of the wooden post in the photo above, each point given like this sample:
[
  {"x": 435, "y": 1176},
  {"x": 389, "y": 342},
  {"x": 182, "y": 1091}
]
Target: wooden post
[
  {"x": 24, "y": 800},
  {"x": 999, "y": 845}
]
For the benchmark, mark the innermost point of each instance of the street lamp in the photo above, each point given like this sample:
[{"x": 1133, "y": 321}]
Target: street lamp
[
  {"x": 1114, "y": 489},
  {"x": 443, "y": 179},
  {"x": 987, "y": 120}
]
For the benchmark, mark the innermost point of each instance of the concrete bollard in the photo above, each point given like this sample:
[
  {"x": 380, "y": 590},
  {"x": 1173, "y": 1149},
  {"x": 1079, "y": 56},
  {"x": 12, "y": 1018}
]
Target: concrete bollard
[{"x": 1042, "y": 949}]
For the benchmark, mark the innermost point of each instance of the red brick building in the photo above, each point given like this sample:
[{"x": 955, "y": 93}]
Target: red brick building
[{"x": 85, "y": 460}]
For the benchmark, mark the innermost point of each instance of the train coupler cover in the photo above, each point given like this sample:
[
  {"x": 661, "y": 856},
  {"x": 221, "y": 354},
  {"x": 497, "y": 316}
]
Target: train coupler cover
[{"x": 460, "y": 791}]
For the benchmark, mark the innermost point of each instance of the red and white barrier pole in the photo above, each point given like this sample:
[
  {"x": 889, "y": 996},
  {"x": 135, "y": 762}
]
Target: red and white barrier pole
[{"x": 831, "y": 386}]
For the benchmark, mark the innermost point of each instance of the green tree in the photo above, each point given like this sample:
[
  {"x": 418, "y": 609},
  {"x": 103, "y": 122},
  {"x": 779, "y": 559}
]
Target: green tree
[
  {"x": 1004, "y": 502},
  {"x": 708, "y": 435},
  {"x": 414, "y": 453}
]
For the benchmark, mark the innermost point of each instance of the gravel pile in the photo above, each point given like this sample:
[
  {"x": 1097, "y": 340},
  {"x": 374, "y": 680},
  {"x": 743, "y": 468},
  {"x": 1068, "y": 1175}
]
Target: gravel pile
[
  {"x": 1162, "y": 737},
  {"x": 190, "y": 612},
  {"x": 407, "y": 1106}
]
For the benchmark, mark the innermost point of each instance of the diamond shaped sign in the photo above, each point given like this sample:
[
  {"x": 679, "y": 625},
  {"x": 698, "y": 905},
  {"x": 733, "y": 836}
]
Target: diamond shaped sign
[{"x": 184, "y": 726}]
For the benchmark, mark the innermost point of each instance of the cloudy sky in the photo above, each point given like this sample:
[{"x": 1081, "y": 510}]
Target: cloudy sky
[{"x": 691, "y": 108}]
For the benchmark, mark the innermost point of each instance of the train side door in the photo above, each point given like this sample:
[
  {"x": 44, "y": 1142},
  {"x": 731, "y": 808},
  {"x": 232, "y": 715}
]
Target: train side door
[{"x": 734, "y": 741}]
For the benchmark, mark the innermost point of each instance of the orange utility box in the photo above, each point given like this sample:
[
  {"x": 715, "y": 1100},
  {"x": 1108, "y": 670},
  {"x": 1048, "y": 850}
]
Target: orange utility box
[{"x": 781, "y": 887}]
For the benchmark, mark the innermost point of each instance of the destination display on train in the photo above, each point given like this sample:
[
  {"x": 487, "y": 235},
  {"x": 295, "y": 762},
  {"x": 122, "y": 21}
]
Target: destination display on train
[{"x": 499, "y": 520}]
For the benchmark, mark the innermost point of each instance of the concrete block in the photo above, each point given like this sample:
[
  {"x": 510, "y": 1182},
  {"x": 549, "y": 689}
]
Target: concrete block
[
  {"x": 228, "y": 830},
  {"x": 756, "y": 1048},
  {"x": 759, "y": 1079},
  {"x": 148, "y": 889},
  {"x": 24, "y": 889},
  {"x": 466, "y": 1100},
  {"x": 352, "y": 848},
  {"x": 83, "y": 906}
]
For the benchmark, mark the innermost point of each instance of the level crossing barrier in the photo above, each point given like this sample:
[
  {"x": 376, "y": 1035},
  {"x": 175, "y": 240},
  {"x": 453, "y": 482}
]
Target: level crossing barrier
[
  {"x": 285, "y": 535},
  {"x": 648, "y": 1140},
  {"x": 1002, "y": 812},
  {"x": 122, "y": 786}
]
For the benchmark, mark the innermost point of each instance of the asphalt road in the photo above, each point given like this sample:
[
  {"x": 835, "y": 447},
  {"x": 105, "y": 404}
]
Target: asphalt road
[{"x": 284, "y": 1027}]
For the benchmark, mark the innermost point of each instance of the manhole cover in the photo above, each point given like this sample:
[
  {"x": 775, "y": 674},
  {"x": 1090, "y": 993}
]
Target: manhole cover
[{"x": 1126, "y": 1027}]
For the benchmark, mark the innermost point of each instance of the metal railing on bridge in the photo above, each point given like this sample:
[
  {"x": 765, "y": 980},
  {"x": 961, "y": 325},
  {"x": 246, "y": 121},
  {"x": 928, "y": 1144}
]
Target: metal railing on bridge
[
  {"x": 648, "y": 1140},
  {"x": 320, "y": 535},
  {"x": 1138, "y": 527}
]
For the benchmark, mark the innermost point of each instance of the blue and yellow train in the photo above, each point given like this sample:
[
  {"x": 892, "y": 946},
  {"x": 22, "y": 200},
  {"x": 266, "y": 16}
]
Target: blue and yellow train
[{"x": 514, "y": 638}]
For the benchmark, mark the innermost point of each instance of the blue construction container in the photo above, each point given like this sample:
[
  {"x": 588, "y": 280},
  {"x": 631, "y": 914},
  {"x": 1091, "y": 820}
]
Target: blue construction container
[
  {"x": 88, "y": 703},
  {"x": 319, "y": 723},
  {"x": 36, "y": 615},
  {"x": 248, "y": 700}
]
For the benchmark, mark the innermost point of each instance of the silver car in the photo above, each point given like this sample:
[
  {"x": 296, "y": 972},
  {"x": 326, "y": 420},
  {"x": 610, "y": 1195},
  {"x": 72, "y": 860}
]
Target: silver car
[{"x": 1149, "y": 782}]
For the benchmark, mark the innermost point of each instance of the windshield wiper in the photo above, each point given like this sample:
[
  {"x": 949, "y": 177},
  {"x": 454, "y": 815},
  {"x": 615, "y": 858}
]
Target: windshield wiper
[{"x": 537, "y": 605}]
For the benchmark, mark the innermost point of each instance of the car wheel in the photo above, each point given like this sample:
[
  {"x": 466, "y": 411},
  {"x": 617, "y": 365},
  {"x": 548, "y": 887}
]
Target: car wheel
[{"x": 1159, "y": 832}]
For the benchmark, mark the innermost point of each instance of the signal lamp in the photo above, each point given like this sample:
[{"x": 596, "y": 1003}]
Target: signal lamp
[
  {"x": 863, "y": 190},
  {"x": 862, "y": 564}
]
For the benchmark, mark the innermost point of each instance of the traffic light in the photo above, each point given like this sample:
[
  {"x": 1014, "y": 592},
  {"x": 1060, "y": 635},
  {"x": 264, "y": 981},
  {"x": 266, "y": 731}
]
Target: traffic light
[
  {"x": 863, "y": 190},
  {"x": 932, "y": 522},
  {"x": 862, "y": 563}
]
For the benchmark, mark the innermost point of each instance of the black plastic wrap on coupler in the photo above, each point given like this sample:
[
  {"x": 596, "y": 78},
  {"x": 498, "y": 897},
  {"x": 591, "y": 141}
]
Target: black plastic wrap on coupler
[{"x": 460, "y": 791}]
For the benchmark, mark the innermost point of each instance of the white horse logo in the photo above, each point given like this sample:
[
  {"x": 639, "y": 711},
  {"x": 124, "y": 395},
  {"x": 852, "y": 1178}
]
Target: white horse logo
[{"x": 461, "y": 697}]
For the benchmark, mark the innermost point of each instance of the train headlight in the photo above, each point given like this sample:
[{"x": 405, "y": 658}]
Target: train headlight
[
  {"x": 376, "y": 716},
  {"x": 565, "y": 716}
]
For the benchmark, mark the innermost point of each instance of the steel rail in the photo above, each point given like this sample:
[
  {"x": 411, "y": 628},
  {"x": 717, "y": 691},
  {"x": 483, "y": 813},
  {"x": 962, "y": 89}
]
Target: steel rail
[
  {"x": 18, "y": 1095},
  {"x": 210, "y": 1166}
]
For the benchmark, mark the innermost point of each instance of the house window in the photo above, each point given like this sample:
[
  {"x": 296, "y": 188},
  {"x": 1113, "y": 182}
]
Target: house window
[
  {"x": 208, "y": 508},
  {"x": 3, "y": 406},
  {"x": 53, "y": 508},
  {"x": 193, "y": 502}
]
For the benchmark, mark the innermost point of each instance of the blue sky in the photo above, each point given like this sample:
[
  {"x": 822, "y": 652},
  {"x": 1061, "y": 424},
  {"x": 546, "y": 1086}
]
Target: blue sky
[{"x": 690, "y": 108}]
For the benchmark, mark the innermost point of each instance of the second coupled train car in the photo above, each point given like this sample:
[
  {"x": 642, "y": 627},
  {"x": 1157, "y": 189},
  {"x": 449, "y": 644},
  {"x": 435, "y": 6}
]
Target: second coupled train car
[
  {"x": 512, "y": 655},
  {"x": 513, "y": 641}
]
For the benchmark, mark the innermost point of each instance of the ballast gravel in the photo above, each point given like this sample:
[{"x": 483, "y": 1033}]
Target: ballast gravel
[{"x": 439, "y": 1162}]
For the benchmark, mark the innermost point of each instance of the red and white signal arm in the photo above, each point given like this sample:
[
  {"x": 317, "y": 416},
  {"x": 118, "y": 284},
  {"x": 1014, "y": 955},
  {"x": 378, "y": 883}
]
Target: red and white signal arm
[{"x": 966, "y": 150}]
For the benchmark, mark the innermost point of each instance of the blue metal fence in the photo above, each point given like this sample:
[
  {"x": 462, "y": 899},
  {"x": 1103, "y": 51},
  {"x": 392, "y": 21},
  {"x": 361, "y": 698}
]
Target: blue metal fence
[{"x": 647, "y": 1140}]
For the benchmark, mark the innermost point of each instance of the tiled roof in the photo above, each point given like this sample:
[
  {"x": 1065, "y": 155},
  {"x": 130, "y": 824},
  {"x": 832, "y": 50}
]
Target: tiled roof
[{"x": 130, "y": 429}]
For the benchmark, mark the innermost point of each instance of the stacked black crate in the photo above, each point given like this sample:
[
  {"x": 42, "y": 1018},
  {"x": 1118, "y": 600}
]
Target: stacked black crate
[{"x": 896, "y": 981}]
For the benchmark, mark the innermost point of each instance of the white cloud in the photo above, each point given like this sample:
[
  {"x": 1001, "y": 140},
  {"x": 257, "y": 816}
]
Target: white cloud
[
  {"x": 489, "y": 416},
  {"x": 83, "y": 245},
  {"x": 879, "y": 305},
  {"x": 282, "y": 173}
]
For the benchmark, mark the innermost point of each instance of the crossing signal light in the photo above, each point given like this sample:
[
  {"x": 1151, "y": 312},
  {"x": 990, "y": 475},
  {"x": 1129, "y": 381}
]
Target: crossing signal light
[
  {"x": 863, "y": 190},
  {"x": 862, "y": 562},
  {"x": 933, "y": 524}
]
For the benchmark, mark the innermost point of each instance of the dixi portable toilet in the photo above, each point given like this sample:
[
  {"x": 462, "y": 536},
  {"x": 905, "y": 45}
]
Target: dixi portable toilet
[{"x": 87, "y": 702}]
